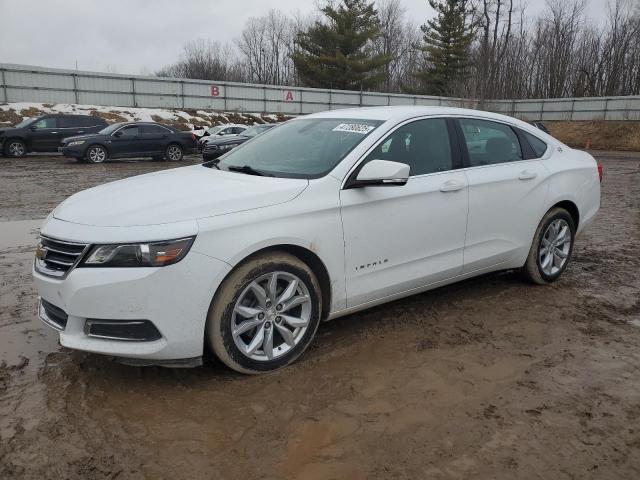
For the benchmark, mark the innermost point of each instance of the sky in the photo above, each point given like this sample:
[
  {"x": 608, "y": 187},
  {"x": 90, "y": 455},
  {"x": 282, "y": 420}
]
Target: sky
[{"x": 140, "y": 36}]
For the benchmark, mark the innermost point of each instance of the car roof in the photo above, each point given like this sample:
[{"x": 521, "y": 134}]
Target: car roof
[
  {"x": 225, "y": 125},
  {"x": 401, "y": 113},
  {"x": 70, "y": 115}
]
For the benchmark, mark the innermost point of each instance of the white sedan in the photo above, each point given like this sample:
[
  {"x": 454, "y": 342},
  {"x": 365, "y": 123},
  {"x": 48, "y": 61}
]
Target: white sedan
[{"x": 323, "y": 216}]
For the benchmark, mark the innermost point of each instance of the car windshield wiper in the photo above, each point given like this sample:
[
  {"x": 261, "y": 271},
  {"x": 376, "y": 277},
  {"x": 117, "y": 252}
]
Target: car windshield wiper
[
  {"x": 212, "y": 163},
  {"x": 248, "y": 170}
]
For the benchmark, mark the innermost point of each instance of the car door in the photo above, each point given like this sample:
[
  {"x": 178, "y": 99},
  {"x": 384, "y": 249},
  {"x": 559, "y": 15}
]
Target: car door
[
  {"x": 126, "y": 142},
  {"x": 399, "y": 238},
  {"x": 154, "y": 138},
  {"x": 507, "y": 189},
  {"x": 45, "y": 135},
  {"x": 72, "y": 125}
]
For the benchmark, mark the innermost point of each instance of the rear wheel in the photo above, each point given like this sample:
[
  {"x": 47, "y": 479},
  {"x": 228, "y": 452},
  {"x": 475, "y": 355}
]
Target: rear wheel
[
  {"x": 96, "y": 154},
  {"x": 551, "y": 248},
  {"x": 173, "y": 153},
  {"x": 15, "y": 148},
  {"x": 265, "y": 314}
]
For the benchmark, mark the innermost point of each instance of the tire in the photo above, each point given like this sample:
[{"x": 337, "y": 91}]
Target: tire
[
  {"x": 261, "y": 319},
  {"x": 543, "y": 265},
  {"x": 173, "y": 153},
  {"x": 96, "y": 154},
  {"x": 15, "y": 148}
]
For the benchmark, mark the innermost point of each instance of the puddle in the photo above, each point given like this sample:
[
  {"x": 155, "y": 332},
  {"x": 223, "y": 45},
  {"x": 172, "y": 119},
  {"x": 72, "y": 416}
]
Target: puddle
[{"x": 23, "y": 335}]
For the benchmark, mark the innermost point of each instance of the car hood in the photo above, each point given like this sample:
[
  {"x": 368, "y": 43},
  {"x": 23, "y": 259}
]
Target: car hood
[
  {"x": 176, "y": 195},
  {"x": 89, "y": 136},
  {"x": 226, "y": 141}
]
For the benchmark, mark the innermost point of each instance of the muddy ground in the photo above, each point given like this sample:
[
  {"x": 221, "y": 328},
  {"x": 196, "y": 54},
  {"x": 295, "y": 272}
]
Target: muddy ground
[{"x": 491, "y": 378}]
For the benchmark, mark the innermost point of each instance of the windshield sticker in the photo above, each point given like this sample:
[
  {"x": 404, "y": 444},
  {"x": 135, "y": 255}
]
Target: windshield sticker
[{"x": 354, "y": 128}]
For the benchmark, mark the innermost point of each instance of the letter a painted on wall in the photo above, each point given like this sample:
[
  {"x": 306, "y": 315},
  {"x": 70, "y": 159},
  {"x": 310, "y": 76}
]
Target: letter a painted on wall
[{"x": 288, "y": 96}]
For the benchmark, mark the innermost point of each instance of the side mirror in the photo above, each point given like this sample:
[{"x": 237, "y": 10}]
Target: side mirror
[
  {"x": 221, "y": 134},
  {"x": 382, "y": 173}
]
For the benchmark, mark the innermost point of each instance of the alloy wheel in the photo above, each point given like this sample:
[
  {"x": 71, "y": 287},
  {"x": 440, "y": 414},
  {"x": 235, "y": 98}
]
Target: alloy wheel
[
  {"x": 174, "y": 153},
  {"x": 16, "y": 149},
  {"x": 555, "y": 247},
  {"x": 97, "y": 155},
  {"x": 271, "y": 316}
]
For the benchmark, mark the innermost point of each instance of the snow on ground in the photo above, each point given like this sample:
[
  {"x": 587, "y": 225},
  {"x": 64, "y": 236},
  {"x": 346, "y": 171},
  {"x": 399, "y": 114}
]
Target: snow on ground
[{"x": 184, "y": 119}]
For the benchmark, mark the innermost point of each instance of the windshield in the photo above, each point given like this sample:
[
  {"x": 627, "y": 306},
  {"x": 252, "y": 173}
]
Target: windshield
[
  {"x": 253, "y": 131},
  {"x": 111, "y": 128},
  {"x": 307, "y": 148},
  {"x": 25, "y": 122}
]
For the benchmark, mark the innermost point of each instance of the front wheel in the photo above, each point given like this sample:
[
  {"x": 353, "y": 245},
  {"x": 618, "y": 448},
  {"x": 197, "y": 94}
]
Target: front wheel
[
  {"x": 174, "y": 153},
  {"x": 265, "y": 314},
  {"x": 96, "y": 154},
  {"x": 16, "y": 148},
  {"x": 551, "y": 248}
]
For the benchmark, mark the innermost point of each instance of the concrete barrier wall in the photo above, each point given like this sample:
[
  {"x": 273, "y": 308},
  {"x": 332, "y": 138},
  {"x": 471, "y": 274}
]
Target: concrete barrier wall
[{"x": 24, "y": 83}]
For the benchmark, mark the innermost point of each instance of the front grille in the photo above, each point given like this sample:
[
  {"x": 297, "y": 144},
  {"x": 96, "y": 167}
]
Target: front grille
[
  {"x": 57, "y": 257},
  {"x": 53, "y": 316},
  {"x": 211, "y": 148}
]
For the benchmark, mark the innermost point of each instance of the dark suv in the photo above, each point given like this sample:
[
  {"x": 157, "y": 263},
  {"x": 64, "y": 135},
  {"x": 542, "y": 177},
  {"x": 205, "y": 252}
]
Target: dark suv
[{"x": 45, "y": 134}]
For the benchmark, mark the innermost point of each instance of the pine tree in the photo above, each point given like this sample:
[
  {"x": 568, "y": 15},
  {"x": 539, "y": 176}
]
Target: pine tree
[
  {"x": 338, "y": 53},
  {"x": 447, "y": 39}
]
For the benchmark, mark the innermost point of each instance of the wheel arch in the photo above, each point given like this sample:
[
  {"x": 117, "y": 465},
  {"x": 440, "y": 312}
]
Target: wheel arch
[
  {"x": 306, "y": 255},
  {"x": 97, "y": 144},
  {"x": 570, "y": 207},
  {"x": 174, "y": 142},
  {"x": 16, "y": 137}
]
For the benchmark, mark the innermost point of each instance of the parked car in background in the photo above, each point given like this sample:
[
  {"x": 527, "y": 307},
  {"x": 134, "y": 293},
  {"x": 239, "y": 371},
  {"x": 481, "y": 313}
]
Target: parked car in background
[
  {"x": 219, "y": 146},
  {"x": 45, "y": 133},
  {"x": 326, "y": 215},
  {"x": 226, "y": 130},
  {"x": 130, "y": 140},
  {"x": 540, "y": 126}
]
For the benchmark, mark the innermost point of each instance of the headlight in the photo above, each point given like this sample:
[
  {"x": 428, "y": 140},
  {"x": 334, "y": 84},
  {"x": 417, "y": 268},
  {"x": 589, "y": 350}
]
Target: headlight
[
  {"x": 226, "y": 147},
  {"x": 77, "y": 142},
  {"x": 157, "y": 254}
]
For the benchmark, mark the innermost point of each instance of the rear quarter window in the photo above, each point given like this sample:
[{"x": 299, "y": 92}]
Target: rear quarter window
[{"x": 538, "y": 146}]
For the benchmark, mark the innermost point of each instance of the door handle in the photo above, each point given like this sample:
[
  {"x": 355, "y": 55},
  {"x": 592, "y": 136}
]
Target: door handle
[
  {"x": 54, "y": 132},
  {"x": 80, "y": 131},
  {"x": 451, "y": 186},
  {"x": 527, "y": 175}
]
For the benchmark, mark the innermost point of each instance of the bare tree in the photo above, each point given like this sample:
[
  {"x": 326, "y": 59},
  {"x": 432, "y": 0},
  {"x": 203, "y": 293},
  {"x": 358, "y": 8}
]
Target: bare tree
[
  {"x": 266, "y": 44},
  {"x": 206, "y": 60},
  {"x": 557, "y": 54}
]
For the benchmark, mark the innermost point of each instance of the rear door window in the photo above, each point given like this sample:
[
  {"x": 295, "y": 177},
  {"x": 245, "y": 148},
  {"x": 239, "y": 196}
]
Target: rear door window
[
  {"x": 155, "y": 129},
  {"x": 490, "y": 143}
]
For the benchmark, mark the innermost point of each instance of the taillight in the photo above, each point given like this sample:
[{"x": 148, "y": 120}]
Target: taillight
[{"x": 600, "y": 171}]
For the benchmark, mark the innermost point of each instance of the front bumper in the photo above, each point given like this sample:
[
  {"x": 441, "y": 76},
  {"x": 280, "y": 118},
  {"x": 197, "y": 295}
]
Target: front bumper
[
  {"x": 75, "y": 151},
  {"x": 175, "y": 299}
]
